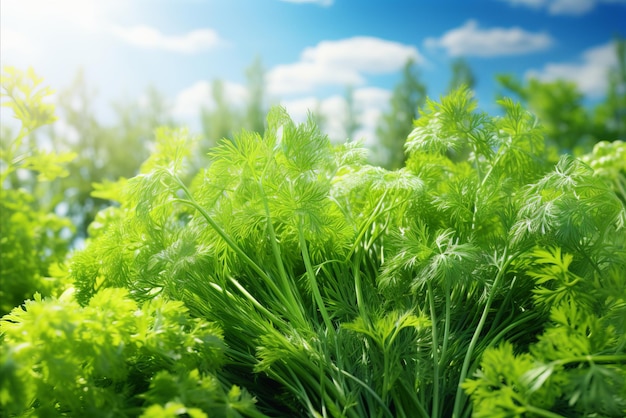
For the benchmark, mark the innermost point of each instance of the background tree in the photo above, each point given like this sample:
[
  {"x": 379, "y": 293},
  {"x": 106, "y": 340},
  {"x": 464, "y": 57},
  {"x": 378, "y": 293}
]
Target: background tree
[
  {"x": 32, "y": 237},
  {"x": 395, "y": 124},
  {"x": 351, "y": 119},
  {"x": 220, "y": 121},
  {"x": 223, "y": 119},
  {"x": 462, "y": 75},
  {"x": 558, "y": 105},
  {"x": 318, "y": 116},
  {"x": 610, "y": 114},
  {"x": 104, "y": 153},
  {"x": 139, "y": 118},
  {"x": 571, "y": 123},
  {"x": 256, "y": 107}
]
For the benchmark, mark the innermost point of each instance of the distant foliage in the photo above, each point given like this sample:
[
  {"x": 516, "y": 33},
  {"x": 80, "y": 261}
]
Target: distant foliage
[
  {"x": 608, "y": 161},
  {"x": 224, "y": 119},
  {"x": 32, "y": 238},
  {"x": 571, "y": 125},
  {"x": 103, "y": 152},
  {"x": 462, "y": 75},
  {"x": 396, "y": 123}
]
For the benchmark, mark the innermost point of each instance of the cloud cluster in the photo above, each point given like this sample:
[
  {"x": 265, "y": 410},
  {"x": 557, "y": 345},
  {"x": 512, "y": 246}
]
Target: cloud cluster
[
  {"x": 35, "y": 22},
  {"x": 189, "y": 43},
  {"x": 88, "y": 15},
  {"x": 340, "y": 63},
  {"x": 369, "y": 103},
  {"x": 189, "y": 101},
  {"x": 589, "y": 72},
  {"x": 562, "y": 7},
  {"x": 471, "y": 40}
]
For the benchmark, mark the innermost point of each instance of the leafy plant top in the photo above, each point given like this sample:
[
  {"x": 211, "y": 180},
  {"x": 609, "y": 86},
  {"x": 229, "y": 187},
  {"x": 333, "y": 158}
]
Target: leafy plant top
[{"x": 479, "y": 279}]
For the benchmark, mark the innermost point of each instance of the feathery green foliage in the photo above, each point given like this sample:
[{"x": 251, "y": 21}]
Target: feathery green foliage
[
  {"x": 111, "y": 358},
  {"x": 479, "y": 279},
  {"x": 32, "y": 239}
]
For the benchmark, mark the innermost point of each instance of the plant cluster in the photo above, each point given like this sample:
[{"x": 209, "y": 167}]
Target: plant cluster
[
  {"x": 114, "y": 357},
  {"x": 478, "y": 280},
  {"x": 32, "y": 239}
]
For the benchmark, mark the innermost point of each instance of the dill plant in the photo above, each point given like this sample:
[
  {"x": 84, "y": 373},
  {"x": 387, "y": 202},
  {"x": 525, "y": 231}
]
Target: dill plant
[{"x": 478, "y": 280}]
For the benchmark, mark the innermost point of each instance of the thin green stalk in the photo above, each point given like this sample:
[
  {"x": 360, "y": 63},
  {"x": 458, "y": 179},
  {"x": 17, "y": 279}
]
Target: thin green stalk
[
  {"x": 433, "y": 318},
  {"x": 416, "y": 404},
  {"x": 529, "y": 316},
  {"x": 314, "y": 386},
  {"x": 483, "y": 181},
  {"x": 381, "y": 230},
  {"x": 603, "y": 358},
  {"x": 358, "y": 290},
  {"x": 446, "y": 337},
  {"x": 232, "y": 244},
  {"x": 9, "y": 157},
  {"x": 313, "y": 282},
  {"x": 505, "y": 302},
  {"x": 467, "y": 413},
  {"x": 541, "y": 412},
  {"x": 301, "y": 393},
  {"x": 585, "y": 255},
  {"x": 460, "y": 397},
  {"x": 367, "y": 224},
  {"x": 368, "y": 389},
  {"x": 385, "y": 375},
  {"x": 620, "y": 185},
  {"x": 268, "y": 314},
  {"x": 476, "y": 159},
  {"x": 287, "y": 288}
]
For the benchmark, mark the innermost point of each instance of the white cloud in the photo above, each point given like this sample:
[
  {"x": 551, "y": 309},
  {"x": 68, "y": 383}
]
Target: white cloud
[
  {"x": 471, "y": 40},
  {"x": 305, "y": 76},
  {"x": 589, "y": 72},
  {"x": 371, "y": 102},
  {"x": 570, "y": 7},
  {"x": 368, "y": 101},
  {"x": 147, "y": 37},
  {"x": 362, "y": 53},
  {"x": 88, "y": 14},
  {"x": 535, "y": 4},
  {"x": 320, "y": 2},
  {"x": 298, "y": 109},
  {"x": 372, "y": 96},
  {"x": 330, "y": 108},
  {"x": 188, "y": 102},
  {"x": 340, "y": 63},
  {"x": 562, "y": 7},
  {"x": 30, "y": 30}
]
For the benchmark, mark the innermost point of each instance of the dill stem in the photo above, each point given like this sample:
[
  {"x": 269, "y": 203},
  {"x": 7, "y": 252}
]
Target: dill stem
[
  {"x": 541, "y": 412},
  {"x": 310, "y": 273},
  {"x": 433, "y": 318},
  {"x": 384, "y": 408},
  {"x": 295, "y": 306},
  {"x": 446, "y": 337},
  {"x": 459, "y": 398},
  {"x": 232, "y": 244},
  {"x": 385, "y": 374}
]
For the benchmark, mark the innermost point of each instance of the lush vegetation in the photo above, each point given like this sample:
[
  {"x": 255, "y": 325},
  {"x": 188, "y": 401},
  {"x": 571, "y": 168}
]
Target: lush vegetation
[
  {"x": 288, "y": 277},
  {"x": 32, "y": 236}
]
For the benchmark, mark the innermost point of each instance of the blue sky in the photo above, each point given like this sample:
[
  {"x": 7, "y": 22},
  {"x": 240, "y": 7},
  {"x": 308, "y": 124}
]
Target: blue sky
[{"x": 311, "y": 49}]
